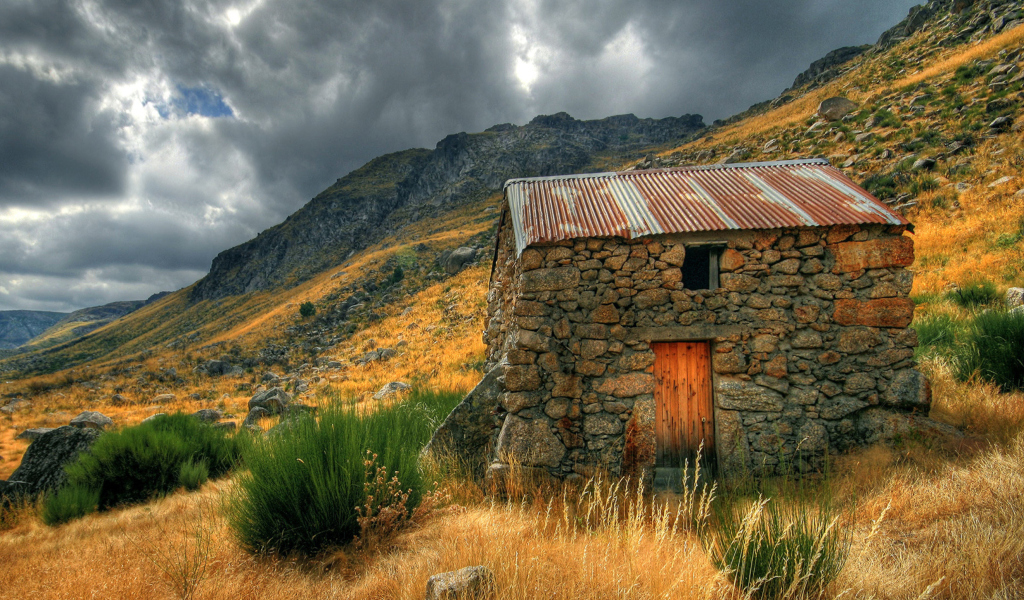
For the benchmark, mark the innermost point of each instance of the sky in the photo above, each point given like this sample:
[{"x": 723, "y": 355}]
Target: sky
[{"x": 139, "y": 138}]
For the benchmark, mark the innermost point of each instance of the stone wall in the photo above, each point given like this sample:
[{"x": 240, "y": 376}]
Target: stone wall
[{"x": 808, "y": 329}]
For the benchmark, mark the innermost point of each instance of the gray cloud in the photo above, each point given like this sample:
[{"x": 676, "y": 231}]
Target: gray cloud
[{"x": 138, "y": 139}]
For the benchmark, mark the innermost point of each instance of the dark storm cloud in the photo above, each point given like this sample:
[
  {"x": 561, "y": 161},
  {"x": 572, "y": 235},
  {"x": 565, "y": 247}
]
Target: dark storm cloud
[{"x": 138, "y": 139}]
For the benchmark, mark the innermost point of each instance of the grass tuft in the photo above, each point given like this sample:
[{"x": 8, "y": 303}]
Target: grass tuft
[
  {"x": 305, "y": 485},
  {"x": 69, "y": 503}
]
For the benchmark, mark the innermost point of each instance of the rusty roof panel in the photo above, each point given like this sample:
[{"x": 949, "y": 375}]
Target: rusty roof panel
[{"x": 631, "y": 204}]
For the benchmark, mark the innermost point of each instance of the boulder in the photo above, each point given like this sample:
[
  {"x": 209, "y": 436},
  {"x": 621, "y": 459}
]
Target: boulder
[
  {"x": 390, "y": 389},
  {"x": 34, "y": 433},
  {"x": 465, "y": 434},
  {"x": 1014, "y": 297},
  {"x": 92, "y": 420},
  {"x": 270, "y": 376},
  {"x": 877, "y": 425},
  {"x": 835, "y": 108},
  {"x": 208, "y": 415},
  {"x": 154, "y": 417},
  {"x": 217, "y": 368},
  {"x": 252, "y": 420},
  {"x": 162, "y": 398},
  {"x": 459, "y": 259},
  {"x": 228, "y": 425},
  {"x": 470, "y": 583},
  {"x": 119, "y": 400},
  {"x": 42, "y": 466},
  {"x": 274, "y": 400},
  {"x": 15, "y": 405}
]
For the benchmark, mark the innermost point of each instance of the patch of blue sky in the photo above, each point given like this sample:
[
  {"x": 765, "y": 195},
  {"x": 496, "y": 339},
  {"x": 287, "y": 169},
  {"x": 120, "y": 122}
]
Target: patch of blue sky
[{"x": 200, "y": 101}]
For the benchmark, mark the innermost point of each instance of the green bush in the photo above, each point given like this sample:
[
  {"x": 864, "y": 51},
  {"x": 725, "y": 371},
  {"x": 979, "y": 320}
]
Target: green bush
[
  {"x": 936, "y": 332},
  {"x": 975, "y": 294},
  {"x": 193, "y": 474},
  {"x": 304, "y": 485},
  {"x": 993, "y": 348},
  {"x": 69, "y": 503},
  {"x": 307, "y": 310},
  {"x": 137, "y": 463},
  {"x": 772, "y": 546}
]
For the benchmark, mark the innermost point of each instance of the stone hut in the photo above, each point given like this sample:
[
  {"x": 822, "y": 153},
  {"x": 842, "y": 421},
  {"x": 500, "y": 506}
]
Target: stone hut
[{"x": 758, "y": 310}]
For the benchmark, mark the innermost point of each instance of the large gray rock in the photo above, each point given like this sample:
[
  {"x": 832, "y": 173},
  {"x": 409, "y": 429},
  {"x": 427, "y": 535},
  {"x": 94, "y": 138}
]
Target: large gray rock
[
  {"x": 458, "y": 260},
  {"x": 529, "y": 442},
  {"x": 878, "y": 425},
  {"x": 252, "y": 420},
  {"x": 208, "y": 415},
  {"x": 466, "y": 433},
  {"x": 274, "y": 400},
  {"x": 470, "y": 583},
  {"x": 91, "y": 419},
  {"x": 42, "y": 466},
  {"x": 391, "y": 389},
  {"x": 835, "y": 108},
  {"x": 1014, "y": 297},
  {"x": 217, "y": 368}
]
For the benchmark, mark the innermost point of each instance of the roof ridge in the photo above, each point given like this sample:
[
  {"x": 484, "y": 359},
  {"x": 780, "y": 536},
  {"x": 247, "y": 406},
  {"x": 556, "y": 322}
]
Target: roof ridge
[{"x": 739, "y": 165}]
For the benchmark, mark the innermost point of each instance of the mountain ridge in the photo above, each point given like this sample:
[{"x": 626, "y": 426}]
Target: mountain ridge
[{"x": 400, "y": 188}]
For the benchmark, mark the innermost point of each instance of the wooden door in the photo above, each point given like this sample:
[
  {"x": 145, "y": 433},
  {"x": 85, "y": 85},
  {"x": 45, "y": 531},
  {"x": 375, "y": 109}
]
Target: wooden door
[{"x": 682, "y": 396}]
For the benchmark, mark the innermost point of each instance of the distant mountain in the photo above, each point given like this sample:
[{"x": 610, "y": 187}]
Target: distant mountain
[
  {"x": 69, "y": 326},
  {"x": 20, "y": 326},
  {"x": 396, "y": 189}
]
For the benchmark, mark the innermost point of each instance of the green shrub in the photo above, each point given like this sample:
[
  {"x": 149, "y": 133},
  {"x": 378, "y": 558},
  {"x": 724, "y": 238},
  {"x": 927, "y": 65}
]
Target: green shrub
[
  {"x": 137, "y": 463},
  {"x": 193, "y": 474},
  {"x": 307, "y": 310},
  {"x": 69, "y": 503},
  {"x": 304, "y": 485},
  {"x": 993, "y": 348},
  {"x": 936, "y": 332},
  {"x": 974, "y": 294},
  {"x": 772, "y": 547}
]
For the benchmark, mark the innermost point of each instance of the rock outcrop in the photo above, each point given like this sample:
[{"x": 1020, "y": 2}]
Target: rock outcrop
[{"x": 42, "y": 466}]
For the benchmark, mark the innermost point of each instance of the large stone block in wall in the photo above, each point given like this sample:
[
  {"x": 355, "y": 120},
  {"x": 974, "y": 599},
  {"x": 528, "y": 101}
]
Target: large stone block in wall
[
  {"x": 736, "y": 394},
  {"x": 883, "y": 312},
  {"x": 520, "y": 378},
  {"x": 731, "y": 442},
  {"x": 873, "y": 254},
  {"x": 602, "y": 423},
  {"x": 909, "y": 389},
  {"x": 627, "y": 386},
  {"x": 544, "y": 280},
  {"x": 529, "y": 443}
]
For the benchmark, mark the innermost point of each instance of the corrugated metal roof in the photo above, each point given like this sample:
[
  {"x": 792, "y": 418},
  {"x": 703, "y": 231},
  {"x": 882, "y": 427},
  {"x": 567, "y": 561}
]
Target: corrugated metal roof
[{"x": 630, "y": 204}]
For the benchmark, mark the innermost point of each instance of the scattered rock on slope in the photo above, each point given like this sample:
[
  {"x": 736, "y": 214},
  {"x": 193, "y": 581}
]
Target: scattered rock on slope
[
  {"x": 835, "y": 108},
  {"x": 274, "y": 401},
  {"x": 42, "y": 467},
  {"x": 91, "y": 419}
]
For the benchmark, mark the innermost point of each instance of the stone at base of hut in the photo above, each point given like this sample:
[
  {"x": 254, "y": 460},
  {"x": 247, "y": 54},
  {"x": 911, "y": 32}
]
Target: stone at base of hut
[{"x": 474, "y": 583}]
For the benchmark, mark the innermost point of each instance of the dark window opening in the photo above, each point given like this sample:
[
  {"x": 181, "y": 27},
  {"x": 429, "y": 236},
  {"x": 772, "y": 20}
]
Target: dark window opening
[{"x": 700, "y": 267}]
